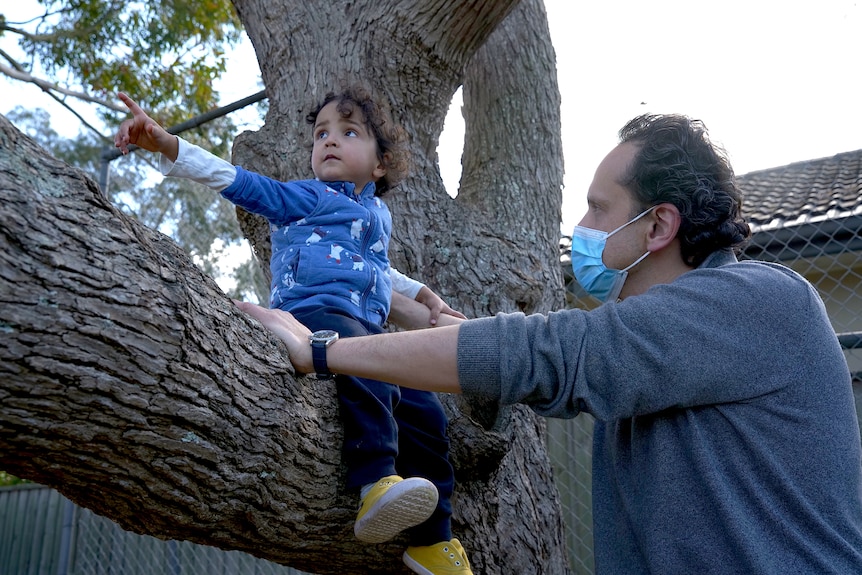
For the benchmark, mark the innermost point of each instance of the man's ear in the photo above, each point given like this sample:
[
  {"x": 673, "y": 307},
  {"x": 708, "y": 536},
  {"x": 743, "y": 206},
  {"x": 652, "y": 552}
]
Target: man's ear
[{"x": 665, "y": 222}]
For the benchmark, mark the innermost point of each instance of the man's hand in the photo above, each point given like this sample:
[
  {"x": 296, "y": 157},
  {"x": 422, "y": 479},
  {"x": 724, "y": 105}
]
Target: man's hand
[
  {"x": 436, "y": 304},
  {"x": 284, "y": 326},
  {"x": 423, "y": 359},
  {"x": 144, "y": 132}
]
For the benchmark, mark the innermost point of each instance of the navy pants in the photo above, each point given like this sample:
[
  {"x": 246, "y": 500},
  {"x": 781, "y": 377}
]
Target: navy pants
[{"x": 390, "y": 430}]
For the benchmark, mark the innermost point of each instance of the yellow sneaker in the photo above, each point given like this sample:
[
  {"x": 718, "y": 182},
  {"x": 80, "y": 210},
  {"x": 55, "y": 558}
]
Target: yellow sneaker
[
  {"x": 393, "y": 505},
  {"x": 446, "y": 558}
]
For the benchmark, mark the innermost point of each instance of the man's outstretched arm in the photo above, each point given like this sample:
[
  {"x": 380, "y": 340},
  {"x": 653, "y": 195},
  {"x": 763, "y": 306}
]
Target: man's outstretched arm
[{"x": 425, "y": 359}]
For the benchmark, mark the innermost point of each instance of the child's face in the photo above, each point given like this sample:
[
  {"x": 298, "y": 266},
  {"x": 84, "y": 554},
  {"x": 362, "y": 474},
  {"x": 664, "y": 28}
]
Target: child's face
[{"x": 344, "y": 150}]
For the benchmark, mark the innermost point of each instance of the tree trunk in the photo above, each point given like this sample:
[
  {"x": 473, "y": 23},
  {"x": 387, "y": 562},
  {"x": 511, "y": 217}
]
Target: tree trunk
[{"x": 131, "y": 384}]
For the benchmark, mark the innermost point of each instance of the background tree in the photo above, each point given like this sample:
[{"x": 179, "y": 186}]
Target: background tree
[
  {"x": 167, "y": 54},
  {"x": 165, "y": 51},
  {"x": 127, "y": 369}
]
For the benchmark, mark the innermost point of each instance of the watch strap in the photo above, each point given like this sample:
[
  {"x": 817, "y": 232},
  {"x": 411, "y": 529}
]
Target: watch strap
[{"x": 318, "y": 357}]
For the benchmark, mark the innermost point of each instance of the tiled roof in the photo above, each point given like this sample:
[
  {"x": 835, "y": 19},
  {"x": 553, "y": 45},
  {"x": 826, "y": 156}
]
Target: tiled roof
[{"x": 803, "y": 192}]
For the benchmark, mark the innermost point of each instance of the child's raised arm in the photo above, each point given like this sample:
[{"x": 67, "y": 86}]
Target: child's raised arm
[{"x": 144, "y": 132}]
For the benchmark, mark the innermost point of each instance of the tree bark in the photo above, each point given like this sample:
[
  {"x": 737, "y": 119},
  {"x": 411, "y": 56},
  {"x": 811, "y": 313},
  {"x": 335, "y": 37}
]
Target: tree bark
[{"x": 131, "y": 384}]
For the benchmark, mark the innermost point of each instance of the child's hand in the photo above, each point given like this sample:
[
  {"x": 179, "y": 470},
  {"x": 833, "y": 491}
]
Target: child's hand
[
  {"x": 144, "y": 132},
  {"x": 436, "y": 304}
]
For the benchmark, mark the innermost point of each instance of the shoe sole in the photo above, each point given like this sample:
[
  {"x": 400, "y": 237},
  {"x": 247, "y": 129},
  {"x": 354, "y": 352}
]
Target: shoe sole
[
  {"x": 420, "y": 569},
  {"x": 414, "y": 565},
  {"x": 405, "y": 504}
]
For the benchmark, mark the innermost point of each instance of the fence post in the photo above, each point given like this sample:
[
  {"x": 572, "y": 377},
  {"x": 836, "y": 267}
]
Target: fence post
[{"x": 66, "y": 538}]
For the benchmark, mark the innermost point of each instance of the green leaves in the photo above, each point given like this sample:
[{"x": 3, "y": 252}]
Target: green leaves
[{"x": 165, "y": 52}]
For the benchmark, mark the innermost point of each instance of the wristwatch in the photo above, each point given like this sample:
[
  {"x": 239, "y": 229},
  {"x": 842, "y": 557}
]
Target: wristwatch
[{"x": 320, "y": 340}]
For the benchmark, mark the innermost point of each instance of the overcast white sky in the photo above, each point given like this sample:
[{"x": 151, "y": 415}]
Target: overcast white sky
[{"x": 775, "y": 81}]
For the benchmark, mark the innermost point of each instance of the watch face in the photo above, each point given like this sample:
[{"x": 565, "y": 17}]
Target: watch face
[{"x": 324, "y": 336}]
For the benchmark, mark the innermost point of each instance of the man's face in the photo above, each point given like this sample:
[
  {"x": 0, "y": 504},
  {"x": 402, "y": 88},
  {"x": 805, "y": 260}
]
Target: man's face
[
  {"x": 610, "y": 205},
  {"x": 344, "y": 150}
]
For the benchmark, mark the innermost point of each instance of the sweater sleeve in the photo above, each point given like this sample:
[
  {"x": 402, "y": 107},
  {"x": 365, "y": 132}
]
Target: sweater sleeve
[
  {"x": 513, "y": 358},
  {"x": 403, "y": 284},
  {"x": 678, "y": 345},
  {"x": 196, "y": 164}
]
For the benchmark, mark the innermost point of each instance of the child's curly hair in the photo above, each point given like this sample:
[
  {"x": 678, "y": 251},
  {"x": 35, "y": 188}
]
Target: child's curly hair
[{"x": 391, "y": 139}]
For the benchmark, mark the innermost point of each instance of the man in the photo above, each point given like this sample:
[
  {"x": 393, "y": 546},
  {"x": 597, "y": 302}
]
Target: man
[{"x": 726, "y": 438}]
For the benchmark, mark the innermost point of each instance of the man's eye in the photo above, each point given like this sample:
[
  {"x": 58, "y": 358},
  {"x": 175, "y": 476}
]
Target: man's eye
[
  {"x": 321, "y": 134},
  {"x": 351, "y": 133}
]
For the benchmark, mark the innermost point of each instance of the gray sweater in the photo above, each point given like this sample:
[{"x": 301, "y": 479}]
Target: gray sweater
[{"x": 726, "y": 438}]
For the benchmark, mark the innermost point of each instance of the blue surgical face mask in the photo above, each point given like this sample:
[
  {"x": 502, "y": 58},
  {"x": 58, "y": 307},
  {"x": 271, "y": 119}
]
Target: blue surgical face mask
[{"x": 597, "y": 280}]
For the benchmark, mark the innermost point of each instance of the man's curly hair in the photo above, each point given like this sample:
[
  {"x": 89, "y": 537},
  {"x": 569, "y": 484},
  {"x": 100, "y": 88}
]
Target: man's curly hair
[
  {"x": 676, "y": 163},
  {"x": 392, "y": 151}
]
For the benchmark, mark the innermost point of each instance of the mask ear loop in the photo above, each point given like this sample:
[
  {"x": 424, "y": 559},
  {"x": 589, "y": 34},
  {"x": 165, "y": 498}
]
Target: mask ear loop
[
  {"x": 633, "y": 220},
  {"x": 625, "y": 271},
  {"x": 637, "y": 261}
]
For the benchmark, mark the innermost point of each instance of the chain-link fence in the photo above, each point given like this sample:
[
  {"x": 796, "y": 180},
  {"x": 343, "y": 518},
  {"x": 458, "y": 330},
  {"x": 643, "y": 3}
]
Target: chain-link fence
[
  {"x": 42, "y": 532},
  {"x": 105, "y": 549}
]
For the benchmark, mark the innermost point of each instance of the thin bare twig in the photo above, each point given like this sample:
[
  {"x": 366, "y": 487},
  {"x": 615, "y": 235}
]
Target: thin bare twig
[{"x": 55, "y": 88}]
